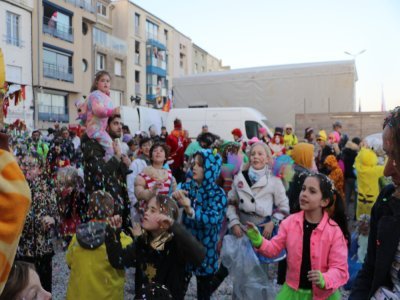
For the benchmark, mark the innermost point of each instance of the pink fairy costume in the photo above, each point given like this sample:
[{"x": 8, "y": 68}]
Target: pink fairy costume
[{"x": 99, "y": 109}]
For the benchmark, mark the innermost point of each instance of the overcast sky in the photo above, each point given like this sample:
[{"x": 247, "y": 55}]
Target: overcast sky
[{"x": 265, "y": 32}]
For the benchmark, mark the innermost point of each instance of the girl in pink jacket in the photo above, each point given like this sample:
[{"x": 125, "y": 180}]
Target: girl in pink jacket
[
  {"x": 99, "y": 108},
  {"x": 315, "y": 243}
]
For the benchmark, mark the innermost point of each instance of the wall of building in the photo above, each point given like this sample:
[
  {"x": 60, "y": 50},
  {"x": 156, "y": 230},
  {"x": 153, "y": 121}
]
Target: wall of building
[
  {"x": 18, "y": 59},
  {"x": 358, "y": 124}
]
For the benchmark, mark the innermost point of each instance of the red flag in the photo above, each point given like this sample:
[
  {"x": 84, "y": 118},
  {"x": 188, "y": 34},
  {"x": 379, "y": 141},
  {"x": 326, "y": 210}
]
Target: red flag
[{"x": 23, "y": 95}]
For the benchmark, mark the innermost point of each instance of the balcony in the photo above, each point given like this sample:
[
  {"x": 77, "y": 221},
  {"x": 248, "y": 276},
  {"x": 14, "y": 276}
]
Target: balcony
[
  {"x": 58, "y": 29},
  {"x": 88, "y": 5},
  {"x": 53, "y": 113},
  {"x": 105, "y": 40},
  {"x": 156, "y": 41},
  {"x": 58, "y": 72}
]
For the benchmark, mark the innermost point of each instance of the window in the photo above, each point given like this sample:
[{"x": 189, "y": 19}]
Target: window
[
  {"x": 100, "y": 37},
  {"x": 196, "y": 68},
  {"x": 84, "y": 65},
  {"x": 203, "y": 69},
  {"x": 57, "y": 65},
  {"x": 251, "y": 129},
  {"x": 151, "y": 30},
  {"x": 116, "y": 97},
  {"x": 137, "y": 23},
  {"x": 101, "y": 9},
  {"x": 181, "y": 59},
  {"x": 13, "y": 37},
  {"x": 166, "y": 35},
  {"x": 100, "y": 61},
  {"x": 85, "y": 28},
  {"x": 118, "y": 67},
  {"x": 137, "y": 52},
  {"x": 53, "y": 107},
  {"x": 57, "y": 23}
]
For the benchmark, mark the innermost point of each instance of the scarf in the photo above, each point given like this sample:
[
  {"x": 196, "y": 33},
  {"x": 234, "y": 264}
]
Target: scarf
[{"x": 255, "y": 175}]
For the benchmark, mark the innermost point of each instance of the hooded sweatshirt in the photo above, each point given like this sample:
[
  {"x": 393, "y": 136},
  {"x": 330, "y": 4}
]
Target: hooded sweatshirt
[
  {"x": 209, "y": 204},
  {"x": 92, "y": 276},
  {"x": 15, "y": 198}
]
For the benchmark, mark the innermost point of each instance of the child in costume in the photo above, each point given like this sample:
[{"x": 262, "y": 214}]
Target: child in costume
[
  {"x": 15, "y": 198},
  {"x": 161, "y": 250},
  {"x": 316, "y": 245},
  {"x": 92, "y": 275},
  {"x": 368, "y": 174},
  {"x": 277, "y": 144},
  {"x": 335, "y": 173},
  {"x": 99, "y": 109},
  {"x": 204, "y": 204}
]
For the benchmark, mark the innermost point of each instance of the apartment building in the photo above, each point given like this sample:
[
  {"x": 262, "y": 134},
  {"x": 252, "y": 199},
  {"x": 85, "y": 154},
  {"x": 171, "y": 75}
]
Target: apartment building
[
  {"x": 205, "y": 62},
  {"x": 15, "y": 42},
  {"x": 214, "y": 64},
  {"x": 62, "y": 57},
  {"x": 110, "y": 52}
]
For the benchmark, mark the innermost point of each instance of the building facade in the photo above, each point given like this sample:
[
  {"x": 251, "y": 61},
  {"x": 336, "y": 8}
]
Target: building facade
[
  {"x": 62, "y": 57},
  {"x": 15, "y": 30}
]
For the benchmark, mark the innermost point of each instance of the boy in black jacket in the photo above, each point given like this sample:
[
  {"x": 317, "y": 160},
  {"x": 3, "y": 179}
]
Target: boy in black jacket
[{"x": 160, "y": 253}]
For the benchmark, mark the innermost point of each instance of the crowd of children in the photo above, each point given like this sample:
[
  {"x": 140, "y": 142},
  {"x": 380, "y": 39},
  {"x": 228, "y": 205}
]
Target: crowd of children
[{"x": 115, "y": 200}]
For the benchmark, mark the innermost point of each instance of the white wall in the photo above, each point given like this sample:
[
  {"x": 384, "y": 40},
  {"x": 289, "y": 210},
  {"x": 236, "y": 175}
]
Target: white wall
[{"x": 18, "y": 60}]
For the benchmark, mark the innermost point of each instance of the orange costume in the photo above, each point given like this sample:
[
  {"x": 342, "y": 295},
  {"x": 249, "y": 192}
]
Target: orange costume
[
  {"x": 15, "y": 199},
  {"x": 336, "y": 174}
]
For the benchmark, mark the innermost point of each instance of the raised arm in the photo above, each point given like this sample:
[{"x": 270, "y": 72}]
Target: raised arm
[{"x": 118, "y": 256}]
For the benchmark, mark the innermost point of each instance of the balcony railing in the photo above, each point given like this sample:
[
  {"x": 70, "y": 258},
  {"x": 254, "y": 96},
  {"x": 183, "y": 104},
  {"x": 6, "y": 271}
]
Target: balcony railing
[
  {"x": 11, "y": 40},
  {"x": 53, "y": 113},
  {"x": 110, "y": 42},
  {"x": 58, "y": 72},
  {"x": 88, "y": 5},
  {"x": 58, "y": 29}
]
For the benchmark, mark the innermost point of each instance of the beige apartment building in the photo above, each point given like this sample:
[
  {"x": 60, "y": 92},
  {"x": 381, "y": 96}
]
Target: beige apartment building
[
  {"x": 157, "y": 53},
  {"x": 63, "y": 61},
  {"x": 205, "y": 62},
  {"x": 15, "y": 42}
]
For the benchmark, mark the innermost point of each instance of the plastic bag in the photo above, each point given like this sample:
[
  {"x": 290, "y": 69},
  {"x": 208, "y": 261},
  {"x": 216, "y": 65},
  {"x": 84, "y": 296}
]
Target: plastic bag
[{"x": 249, "y": 278}]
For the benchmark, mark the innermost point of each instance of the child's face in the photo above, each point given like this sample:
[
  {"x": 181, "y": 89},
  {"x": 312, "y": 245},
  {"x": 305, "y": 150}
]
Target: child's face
[
  {"x": 198, "y": 170},
  {"x": 149, "y": 222},
  {"x": 258, "y": 157},
  {"x": 103, "y": 84},
  {"x": 158, "y": 155},
  {"x": 311, "y": 195},
  {"x": 34, "y": 289}
]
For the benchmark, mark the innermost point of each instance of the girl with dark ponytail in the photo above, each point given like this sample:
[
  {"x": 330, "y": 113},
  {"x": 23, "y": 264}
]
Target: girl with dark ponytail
[{"x": 316, "y": 240}]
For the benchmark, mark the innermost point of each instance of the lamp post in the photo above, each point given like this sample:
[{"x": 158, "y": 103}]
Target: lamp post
[{"x": 354, "y": 56}]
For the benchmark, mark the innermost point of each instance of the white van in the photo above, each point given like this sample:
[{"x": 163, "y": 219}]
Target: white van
[
  {"x": 141, "y": 118},
  {"x": 220, "y": 121}
]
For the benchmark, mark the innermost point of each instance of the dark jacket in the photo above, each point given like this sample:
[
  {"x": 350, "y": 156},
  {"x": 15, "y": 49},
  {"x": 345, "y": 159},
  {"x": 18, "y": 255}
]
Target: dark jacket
[
  {"x": 295, "y": 186},
  {"x": 322, "y": 154},
  {"x": 383, "y": 241},
  {"x": 109, "y": 176},
  {"x": 165, "y": 267},
  {"x": 349, "y": 154}
]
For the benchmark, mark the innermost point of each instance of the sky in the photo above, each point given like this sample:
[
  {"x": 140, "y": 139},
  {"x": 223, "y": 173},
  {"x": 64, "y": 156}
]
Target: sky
[{"x": 264, "y": 32}]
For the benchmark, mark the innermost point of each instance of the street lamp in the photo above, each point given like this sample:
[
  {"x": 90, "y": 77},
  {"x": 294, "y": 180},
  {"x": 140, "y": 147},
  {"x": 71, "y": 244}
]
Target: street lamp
[{"x": 354, "y": 56}]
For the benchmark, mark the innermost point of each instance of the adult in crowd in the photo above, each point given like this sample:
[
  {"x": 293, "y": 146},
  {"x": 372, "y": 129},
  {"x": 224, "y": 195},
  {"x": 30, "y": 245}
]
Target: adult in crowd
[
  {"x": 111, "y": 175},
  {"x": 125, "y": 129},
  {"x": 164, "y": 134},
  {"x": 153, "y": 134},
  {"x": 24, "y": 283},
  {"x": 136, "y": 167},
  {"x": 15, "y": 199},
  {"x": 178, "y": 144},
  {"x": 324, "y": 150},
  {"x": 379, "y": 274},
  {"x": 204, "y": 128},
  {"x": 289, "y": 138},
  {"x": 155, "y": 179},
  {"x": 67, "y": 146},
  {"x": 238, "y": 137},
  {"x": 263, "y": 135},
  {"x": 349, "y": 154},
  {"x": 57, "y": 158},
  {"x": 37, "y": 147}
]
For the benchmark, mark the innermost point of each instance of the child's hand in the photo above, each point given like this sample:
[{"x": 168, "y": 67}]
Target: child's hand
[
  {"x": 254, "y": 235},
  {"x": 237, "y": 231},
  {"x": 268, "y": 228},
  {"x": 164, "y": 221},
  {"x": 136, "y": 229},
  {"x": 117, "y": 111},
  {"x": 181, "y": 197},
  {"x": 315, "y": 276},
  {"x": 115, "y": 221}
]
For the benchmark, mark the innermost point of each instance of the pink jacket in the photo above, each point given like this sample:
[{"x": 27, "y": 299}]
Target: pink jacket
[
  {"x": 100, "y": 108},
  {"x": 328, "y": 252}
]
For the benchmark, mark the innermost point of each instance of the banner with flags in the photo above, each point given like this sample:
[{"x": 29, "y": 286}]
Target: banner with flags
[{"x": 168, "y": 104}]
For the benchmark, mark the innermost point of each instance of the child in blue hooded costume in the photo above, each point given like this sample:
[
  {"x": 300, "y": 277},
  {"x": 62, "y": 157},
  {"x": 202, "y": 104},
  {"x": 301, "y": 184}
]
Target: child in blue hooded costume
[{"x": 204, "y": 204}]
